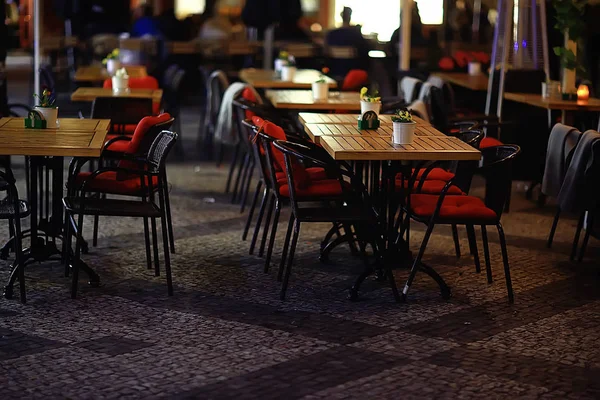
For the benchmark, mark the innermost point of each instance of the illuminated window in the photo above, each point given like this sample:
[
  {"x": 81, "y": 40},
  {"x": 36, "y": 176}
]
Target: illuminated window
[
  {"x": 431, "y": 11},
  {"x": 183, "y": 8}
]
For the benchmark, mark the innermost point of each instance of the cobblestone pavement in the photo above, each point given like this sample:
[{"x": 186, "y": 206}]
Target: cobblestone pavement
[{"x": 226, "y": 335}]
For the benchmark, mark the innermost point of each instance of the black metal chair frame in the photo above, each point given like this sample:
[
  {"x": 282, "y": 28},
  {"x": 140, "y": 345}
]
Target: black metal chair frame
[{"x": 153, "y": 165}]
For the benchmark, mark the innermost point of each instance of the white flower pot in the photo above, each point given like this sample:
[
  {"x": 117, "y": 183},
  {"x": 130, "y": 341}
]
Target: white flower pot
[
  {"x": 404, "y": 132},
  {"x": 320, "y": 90},
  {"x": 112, "y": 66},
  {"x": 279, "y": 63},
  {"x": 474, "y": 68},
  {"x": 288, "y": 73},
  {"x": 50, "y": 115},
  {"x": 368, "y": 106},
  {"x": 120, "y": 83}
]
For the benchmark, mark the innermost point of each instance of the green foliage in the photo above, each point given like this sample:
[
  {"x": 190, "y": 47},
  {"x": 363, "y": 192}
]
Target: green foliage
[
  {"x": 402, "y": 116},
  {"x": 569, "y": 14}
]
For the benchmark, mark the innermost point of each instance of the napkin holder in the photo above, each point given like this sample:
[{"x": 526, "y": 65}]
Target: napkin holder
[
  {"x": 368, "y": 120},
  {"x": 35, "y": 120}
]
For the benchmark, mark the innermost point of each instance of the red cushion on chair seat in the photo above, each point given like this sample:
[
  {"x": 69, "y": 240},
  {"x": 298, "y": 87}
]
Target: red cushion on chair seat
[
  {"x": 434, "y": 187},
  {"x": 323, "y": 188},
  {"x": 108, "y": 183},
  {"x": 453, "y": 207},
  {"x": 436, "y": 174},
  {"x": 315, "y": 173},
  {"x": 489, "y": 142}
]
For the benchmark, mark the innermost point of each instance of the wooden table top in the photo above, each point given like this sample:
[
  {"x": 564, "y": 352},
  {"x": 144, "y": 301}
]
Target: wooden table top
[
  {"x": 266, "y": 79},
  {"x": 303, "y": 100},
  {"x": 73, "y": 138},
  {"x": 536, "y": 100},
  {"x": 89, "y": 94},
  {"x": 317, "y": 131},
  {"x": 473, "y": 82},
  {"x": 423, "y": 148},
  {"x": 96, "y": 73},
  {"x": 347, "y": 119}
]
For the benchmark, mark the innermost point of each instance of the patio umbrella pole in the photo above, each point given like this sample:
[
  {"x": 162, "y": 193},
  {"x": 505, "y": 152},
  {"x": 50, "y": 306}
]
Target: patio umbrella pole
[
  {"x": 404, "y": 42},
  {"x": 36, "y": 46}
]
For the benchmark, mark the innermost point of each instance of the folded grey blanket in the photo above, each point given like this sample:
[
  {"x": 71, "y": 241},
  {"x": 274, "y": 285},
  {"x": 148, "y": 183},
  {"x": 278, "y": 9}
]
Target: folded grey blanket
[{"x": 563, "y": 140}]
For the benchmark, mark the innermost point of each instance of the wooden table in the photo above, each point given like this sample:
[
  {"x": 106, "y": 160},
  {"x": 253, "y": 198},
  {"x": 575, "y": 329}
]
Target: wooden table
[
  {"x": 303, "y": 100},
  {"x": 47, "y": 149},
  {"x": 267, "y": 79},
  {"x": 347, "y": 119},
  {"x": 89, "y": 94},
  {"x": 474, "y": 82},
  {"x": 96, "y": 73},
  {"x": 423, "y": 148},
  {"x": 566, "y": 106},
  {"x": 73, "y": 138},
  {"x": 316, "y": 132}
]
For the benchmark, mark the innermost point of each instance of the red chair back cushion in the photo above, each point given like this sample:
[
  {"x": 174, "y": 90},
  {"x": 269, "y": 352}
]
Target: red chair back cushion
[
  {"x": 355, "y": 79},
  {"x": 248, "y": 94}
]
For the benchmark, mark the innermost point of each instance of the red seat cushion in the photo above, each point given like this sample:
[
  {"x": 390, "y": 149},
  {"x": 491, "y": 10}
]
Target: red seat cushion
[
  {"x": 315, "y": 173},
  {"x": 464, "y": 208},
  {"x": 489, "y": 142},
  {"x": 436, "y": 174},
  {"x": 435, "y": 187},
  {"x": 323, "y": 188},
  {"x": 108, "y": 182},
  {"x": 355, "y": 79}
]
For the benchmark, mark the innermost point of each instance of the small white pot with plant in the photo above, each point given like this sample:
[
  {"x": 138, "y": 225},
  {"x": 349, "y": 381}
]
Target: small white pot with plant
[
  {"x": 47, "y": 107},
  {"x": 403, "y": 127},
  {"x": 120, "y": 82},
  {"x": 369, "y": 101},
  {"x": 288, "y": 71},
  {"x": 280, "y": 61},
  {"x": 474, "y": 67},
  {"x": 112, "y": 63},
  {"x": 320, "y": 88}
]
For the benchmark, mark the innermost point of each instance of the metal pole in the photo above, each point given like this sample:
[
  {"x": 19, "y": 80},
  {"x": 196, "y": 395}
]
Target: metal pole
[
  {"x": 406, "y": 10},
  {"x": 36, "y": 46},
  {"x": 268, "y": 47},
  {"x": 476, "y": 21}
]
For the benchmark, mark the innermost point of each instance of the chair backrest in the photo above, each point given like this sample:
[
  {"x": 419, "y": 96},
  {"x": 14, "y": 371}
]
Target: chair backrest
[
  {"x": 121, "y": 110},
  {"x": 172, "y": 90},
  {"x": 159, "y": 151},
  {"x": 146, "y": 132},
  {"x": 409, "y": 88},
  {"x": 217, "y": 85},
  {"x": 465, "y": 170},
  {"x": 496, "y": 167},
  {"x": 355, "y": 79}
]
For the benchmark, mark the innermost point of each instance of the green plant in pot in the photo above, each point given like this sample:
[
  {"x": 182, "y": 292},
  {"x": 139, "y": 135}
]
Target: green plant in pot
[
  {"x": 569, "y": 14},
  {"x": 403, "y": 127},
  {"x": 47, "y": 107}
]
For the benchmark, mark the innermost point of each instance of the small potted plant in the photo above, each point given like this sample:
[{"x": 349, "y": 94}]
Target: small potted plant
[
  {"x": 288, "y": 70},
  {"x": 403, "y": 127},
  {"x": 47, "y": 107},
  {"x": 112, "y": 63},
  {"x": 369, "y": 101},
  {"x": 320, "y": 88},
  {"x": 120, "y": 82},
  {"x": 281, "y": 60}
]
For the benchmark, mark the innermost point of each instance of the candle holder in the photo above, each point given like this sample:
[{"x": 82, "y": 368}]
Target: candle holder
[{"x": 583, "y": 93}]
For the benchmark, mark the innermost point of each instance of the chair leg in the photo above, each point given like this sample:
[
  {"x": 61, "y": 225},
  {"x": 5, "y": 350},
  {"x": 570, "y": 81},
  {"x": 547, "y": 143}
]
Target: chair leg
[
  {"x": 288, "y": 270},
  {"x": 163, "y": 225},
  {"x": 507, "y": 204},
  {"x": 147, "y": 243},
  {"x": 236, "y": 154},
  {"x": 66, "y": 247},
  {"x": 586, "y": 237},
  {"x": 261, "y": 213},
  {"x": 286, "y": 244},
  {"x": 273, "y": 235},
  {"x": 576, "y": 238},
  {"x": 511, "y": 296},
  {"x": 456, "y": 240},
  {"x": 263, "y": 243},
  {"x": 76, "y": 259},
  {"x": 155, "y": 246},
  {"x": 246, "y": 188},
  {"x": 252, "y": 208},
  {"x": 473, "y": 246},
  {"x": 19, "y": 262},
  {"x": 167, "y": 211},
  {"x": 553, "y": 229},
  {"x": 486, "y": 253},
  {"x": 240, "y": 172},
  {"x": 95, "y": 233},
  {"x": 417, "y": 261}
]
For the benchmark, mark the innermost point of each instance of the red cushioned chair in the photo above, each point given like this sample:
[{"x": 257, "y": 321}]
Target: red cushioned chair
[
  {"x": 350, "y": 205},
  {"x": 354, "y": 80},
  {"x": 125, "y": 151},
  {"x": 148, "y": 171},
  {"x": 469, "y": 211}
]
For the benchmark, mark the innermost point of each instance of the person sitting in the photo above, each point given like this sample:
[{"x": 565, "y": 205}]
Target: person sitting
[
  {"x": 348, "y": 36},
  {"x": 145, "y": 24}
]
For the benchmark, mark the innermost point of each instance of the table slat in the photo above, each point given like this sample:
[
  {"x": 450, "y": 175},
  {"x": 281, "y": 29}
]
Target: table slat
[
  {"x": 88, "y": 94},
  {"x": 303, "y": 100},
  {"x": 267, "y": 79}
]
